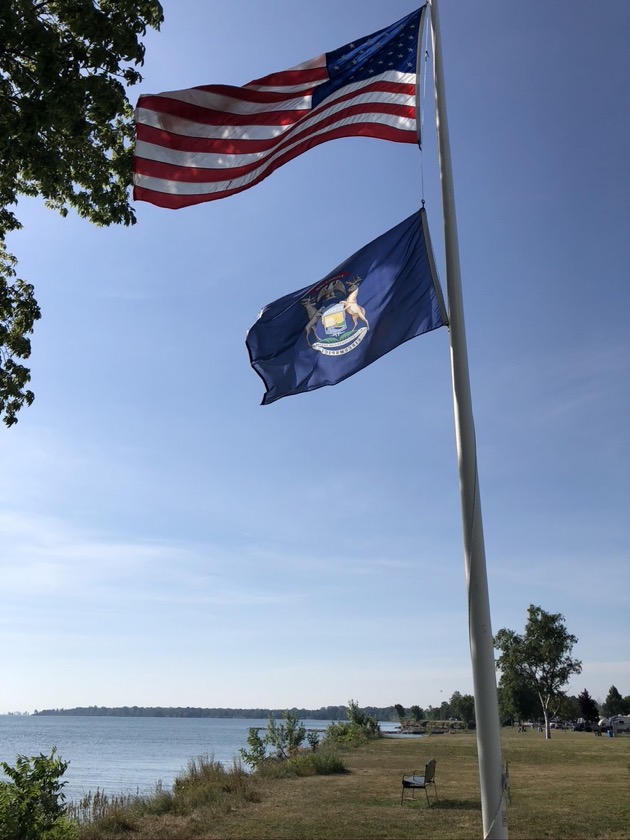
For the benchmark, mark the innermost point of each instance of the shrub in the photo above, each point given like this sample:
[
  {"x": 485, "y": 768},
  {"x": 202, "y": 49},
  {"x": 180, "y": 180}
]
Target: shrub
[
  {"x": 327, "y": 762},
  {"x": 257, "y": 748},
  {"x": 358, "y": 717},
  {"x": 346, "y": 734},
  {"x": 32, "y": 802},
  {"x": 313, "y": 739},
  {"x": 324, "y": 762},
  {"x": 208, "y": 783},
  {"x": 285, "y": 738},
  {"x": 354, "y": 732}
]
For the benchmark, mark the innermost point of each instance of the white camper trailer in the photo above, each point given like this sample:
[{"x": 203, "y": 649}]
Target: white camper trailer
[{"x": 618, "y": 724}]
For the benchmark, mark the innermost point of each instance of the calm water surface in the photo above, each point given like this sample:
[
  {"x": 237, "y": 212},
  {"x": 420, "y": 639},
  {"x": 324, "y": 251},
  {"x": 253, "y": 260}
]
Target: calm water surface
[{"x": 121, "y": 755}]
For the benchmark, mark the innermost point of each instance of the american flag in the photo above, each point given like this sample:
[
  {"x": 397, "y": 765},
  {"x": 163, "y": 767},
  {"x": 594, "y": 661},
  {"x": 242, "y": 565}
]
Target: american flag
[{"x": 213, "y": 141}]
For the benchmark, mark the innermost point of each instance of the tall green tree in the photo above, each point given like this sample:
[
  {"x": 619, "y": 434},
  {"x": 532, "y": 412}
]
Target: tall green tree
[
  {"x": 588, "y": 707},
  {"x": 463, "y": 707},
  {"x": 568, "y": 709},
  {"x": 400, "y": 710},
  {"x": 614, "y": 703},
  {"x": 66, "y": 135},
  {"x": 540, "y": 658}
]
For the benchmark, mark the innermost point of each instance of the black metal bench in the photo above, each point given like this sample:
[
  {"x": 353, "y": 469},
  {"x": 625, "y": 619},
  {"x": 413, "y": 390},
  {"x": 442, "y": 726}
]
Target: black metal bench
[{"x": 419, "y": 782}]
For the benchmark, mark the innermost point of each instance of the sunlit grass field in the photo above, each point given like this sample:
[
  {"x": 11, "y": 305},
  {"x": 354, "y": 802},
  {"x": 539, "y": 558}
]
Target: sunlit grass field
[{"x": 574, "y": 786}]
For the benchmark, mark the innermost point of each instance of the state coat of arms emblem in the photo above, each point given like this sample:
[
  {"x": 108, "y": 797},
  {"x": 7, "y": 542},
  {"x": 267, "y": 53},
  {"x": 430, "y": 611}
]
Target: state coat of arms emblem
[{"x": 336, "y": 320}]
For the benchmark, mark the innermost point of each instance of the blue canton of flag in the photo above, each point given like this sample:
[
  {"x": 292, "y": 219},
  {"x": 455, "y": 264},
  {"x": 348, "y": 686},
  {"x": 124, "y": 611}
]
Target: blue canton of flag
[
  {"x": 393, "y": 49},
  {"x": 374, "y": 301}
]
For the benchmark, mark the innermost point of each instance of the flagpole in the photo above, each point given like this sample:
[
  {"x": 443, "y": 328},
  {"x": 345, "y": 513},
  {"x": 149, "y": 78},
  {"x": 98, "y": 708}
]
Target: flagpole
[{"x": 493, "y": 806}]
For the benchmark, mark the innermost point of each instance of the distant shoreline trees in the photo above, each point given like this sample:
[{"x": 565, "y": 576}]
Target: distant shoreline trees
[
  {"x": 518, "y": 700},
  {"x": 323, "y": 713}
]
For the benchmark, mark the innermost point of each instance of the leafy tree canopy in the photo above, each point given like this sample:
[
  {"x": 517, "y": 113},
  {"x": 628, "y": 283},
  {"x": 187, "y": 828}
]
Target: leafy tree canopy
[
  {"x": 517, "y": 698},
  {"x": 539, "y": 659},
  {"x": 66, "y": 134},
  {"x": 463, "y": 707}
]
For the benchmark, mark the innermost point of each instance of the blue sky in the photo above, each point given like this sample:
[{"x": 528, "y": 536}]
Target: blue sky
[{"x": 165, "y": 540}]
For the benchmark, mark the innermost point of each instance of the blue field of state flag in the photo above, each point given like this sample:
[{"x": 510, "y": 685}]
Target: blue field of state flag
[{"x": 381, "y": 296}]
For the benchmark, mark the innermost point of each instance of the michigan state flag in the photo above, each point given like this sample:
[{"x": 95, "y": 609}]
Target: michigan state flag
[{"x": 377, "y": 299}]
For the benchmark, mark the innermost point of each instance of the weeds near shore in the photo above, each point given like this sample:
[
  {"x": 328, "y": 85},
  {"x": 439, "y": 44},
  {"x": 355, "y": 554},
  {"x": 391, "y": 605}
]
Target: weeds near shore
[
  {"x": 95, "y": 806},
  {"x": 325, "y": 762},
  {"x": 205, "y": 790}
]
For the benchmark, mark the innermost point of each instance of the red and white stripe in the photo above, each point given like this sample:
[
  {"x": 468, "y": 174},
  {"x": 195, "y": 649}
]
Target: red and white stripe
[{"x": 209, "y": 142}]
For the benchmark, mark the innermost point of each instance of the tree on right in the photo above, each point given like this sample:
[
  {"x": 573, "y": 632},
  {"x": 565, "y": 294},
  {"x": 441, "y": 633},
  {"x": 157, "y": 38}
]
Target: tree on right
[
  {"x": 615, "y": 704},
  {"x": 538, "y": 659}
]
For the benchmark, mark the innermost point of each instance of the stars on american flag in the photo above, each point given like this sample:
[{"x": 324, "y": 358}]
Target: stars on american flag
[{"x": 364, "y": 58}]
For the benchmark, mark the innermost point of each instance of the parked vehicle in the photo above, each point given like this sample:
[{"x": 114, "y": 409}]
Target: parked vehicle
[
  {"x": 620, "y": 724},
  {"x": 617, "y": 724}
]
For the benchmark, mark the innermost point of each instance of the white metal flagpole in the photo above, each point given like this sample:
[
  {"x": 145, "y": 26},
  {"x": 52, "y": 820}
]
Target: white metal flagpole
[{"x": 493, "y": 804}]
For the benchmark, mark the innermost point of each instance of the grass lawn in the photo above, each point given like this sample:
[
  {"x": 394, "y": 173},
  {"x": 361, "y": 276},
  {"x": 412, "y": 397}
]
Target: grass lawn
[{"x": 573, "y": 786}]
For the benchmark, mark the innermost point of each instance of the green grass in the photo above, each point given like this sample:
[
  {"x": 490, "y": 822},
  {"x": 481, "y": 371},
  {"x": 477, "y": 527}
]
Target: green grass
[{"x": 571, "y": 787}]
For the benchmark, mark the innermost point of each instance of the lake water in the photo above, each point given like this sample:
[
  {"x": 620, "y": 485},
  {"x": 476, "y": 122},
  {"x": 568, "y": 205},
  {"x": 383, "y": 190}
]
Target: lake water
[{"x": 124, "y": 754}]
